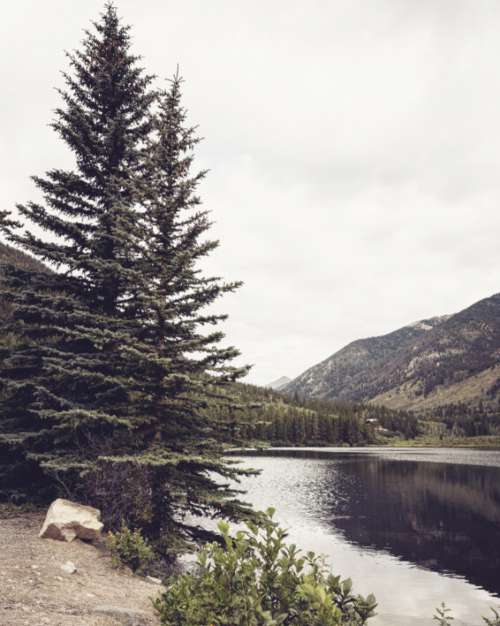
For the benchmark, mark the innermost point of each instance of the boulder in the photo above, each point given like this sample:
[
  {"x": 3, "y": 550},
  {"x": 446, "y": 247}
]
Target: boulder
[{"x": 66, "y": 520}]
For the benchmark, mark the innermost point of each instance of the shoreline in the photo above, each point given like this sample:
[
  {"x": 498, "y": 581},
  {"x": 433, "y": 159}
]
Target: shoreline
[{"x": 488, "y": 443}]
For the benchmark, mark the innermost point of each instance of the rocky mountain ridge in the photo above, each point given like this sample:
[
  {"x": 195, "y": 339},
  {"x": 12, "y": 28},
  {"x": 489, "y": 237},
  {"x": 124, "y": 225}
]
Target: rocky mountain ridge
[{"x": 453, "y": 359}]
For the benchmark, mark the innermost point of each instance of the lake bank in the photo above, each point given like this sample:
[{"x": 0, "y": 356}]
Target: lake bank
[{"x": 487, "y": 442}]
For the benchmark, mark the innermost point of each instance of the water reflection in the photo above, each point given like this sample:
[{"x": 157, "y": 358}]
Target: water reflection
[
  {"x": 440, "y": 516},
  {"x": 443, "y": 516}
]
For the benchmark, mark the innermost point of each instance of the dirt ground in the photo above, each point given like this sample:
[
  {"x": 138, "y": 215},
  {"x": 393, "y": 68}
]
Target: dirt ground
[{"x": 35, "y": 591}]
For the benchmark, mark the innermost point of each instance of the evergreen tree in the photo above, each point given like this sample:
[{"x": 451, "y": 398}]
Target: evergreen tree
[
  {"x": 64, "y": 381},
  {"x": 102, "y": 393},
  {"x": 188, "y": 384},
  {"x": 174, "y": 305}
]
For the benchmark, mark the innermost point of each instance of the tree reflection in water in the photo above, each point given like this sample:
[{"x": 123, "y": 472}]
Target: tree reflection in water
[{"x": 440, "y": 516}]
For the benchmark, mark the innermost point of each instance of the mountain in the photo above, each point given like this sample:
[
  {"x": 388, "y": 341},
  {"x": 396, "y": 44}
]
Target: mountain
[
  {"x": 279, "y": 383},
  {"x": 437, "y": 362}
]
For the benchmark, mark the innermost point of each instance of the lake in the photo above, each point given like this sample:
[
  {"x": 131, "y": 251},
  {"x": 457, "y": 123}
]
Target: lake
[{"x": 413, "y": 526}]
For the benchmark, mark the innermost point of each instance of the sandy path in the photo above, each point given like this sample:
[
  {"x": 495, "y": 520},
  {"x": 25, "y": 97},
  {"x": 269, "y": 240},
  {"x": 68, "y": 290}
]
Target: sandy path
[{"x": 35, "y": 591}]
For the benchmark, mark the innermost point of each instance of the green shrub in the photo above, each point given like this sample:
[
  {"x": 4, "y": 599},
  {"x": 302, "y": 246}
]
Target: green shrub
[
  {"x": 128, "y": 547},
  {"x": 256, "y": 579}
]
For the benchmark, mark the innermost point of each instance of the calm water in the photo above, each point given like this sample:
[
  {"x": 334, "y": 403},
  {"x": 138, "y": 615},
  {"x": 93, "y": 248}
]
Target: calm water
[{"x": 414, "y": 527}]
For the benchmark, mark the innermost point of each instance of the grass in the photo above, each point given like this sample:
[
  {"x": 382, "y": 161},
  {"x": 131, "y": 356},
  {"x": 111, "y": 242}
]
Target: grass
[
  {"x": 428, "y": 441},
  {"x": 490, "y": 442}
]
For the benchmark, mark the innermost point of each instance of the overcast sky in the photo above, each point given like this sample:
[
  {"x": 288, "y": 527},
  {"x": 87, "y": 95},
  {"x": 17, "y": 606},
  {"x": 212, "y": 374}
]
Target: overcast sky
[{"x": 354, "y": 149}]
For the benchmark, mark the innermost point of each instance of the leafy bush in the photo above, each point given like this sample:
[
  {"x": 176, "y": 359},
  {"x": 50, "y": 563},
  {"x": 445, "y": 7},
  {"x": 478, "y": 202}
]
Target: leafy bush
[
  {"x": 256, "y": 579},
  {"x": 128, "y": 547}
]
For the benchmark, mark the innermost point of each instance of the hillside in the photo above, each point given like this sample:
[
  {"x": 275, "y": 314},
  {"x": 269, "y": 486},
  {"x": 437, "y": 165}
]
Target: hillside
[
  {"x": 267, "y": 415},
  {"x": 425, "y": 366}
]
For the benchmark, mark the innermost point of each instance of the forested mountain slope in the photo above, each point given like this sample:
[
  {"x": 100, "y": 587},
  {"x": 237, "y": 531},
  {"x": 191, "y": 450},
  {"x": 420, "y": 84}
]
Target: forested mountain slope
[
  {"x": 434, "y": 363},
  {"x": 267, "y": 415}
]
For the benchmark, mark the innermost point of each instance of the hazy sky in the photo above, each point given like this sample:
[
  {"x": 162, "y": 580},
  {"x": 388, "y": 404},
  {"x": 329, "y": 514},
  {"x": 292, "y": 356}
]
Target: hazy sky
[{"x": 354, "y": 149}]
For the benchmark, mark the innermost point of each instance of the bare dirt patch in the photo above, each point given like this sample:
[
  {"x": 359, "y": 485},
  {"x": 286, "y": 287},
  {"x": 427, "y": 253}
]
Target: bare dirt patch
[{"x": 35, "y": 591}]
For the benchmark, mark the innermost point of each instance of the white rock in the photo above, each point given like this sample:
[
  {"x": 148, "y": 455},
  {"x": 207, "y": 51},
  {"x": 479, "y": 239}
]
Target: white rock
[
  {"x": 69, "y": 567},
  {"x": 152, "y": 579},
  {"x": 66, "y": 520}
]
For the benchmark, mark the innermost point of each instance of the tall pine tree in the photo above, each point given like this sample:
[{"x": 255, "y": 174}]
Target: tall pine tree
[
  {"x": 194, "y": 373},
  {"x": 105, "y": 380}
]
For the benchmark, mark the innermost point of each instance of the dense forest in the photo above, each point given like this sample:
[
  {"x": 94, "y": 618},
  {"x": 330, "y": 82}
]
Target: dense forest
[
  {"x": 265, "y": 415},
  {"x": 462, "y": 420}
]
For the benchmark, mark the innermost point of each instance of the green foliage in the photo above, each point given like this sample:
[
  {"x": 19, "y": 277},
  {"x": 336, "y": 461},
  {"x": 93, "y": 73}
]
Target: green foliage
[
  {"x": 255, "y": 579},
  {"x": 128, "y": 547}
]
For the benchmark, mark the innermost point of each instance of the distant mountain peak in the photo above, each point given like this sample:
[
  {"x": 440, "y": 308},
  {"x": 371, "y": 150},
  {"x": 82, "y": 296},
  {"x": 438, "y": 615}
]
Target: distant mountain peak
[
  {"x": 430, "y": 323},
  {"x": 279, "y": 383}
]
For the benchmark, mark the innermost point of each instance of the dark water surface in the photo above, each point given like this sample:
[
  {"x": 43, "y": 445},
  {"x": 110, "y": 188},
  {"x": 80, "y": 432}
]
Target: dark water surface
[{"x": 413, "y": 526}]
